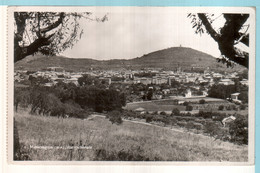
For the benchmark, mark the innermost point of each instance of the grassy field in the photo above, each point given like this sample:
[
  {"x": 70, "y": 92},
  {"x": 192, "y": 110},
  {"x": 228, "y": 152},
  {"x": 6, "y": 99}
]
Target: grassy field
[
  {"x": 107, "y": 140},
  {"x": 153, "y": 106}
]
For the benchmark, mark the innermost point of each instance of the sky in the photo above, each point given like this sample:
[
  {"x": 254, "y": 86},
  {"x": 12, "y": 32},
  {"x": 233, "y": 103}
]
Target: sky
[{"x": 129, "y": 35}]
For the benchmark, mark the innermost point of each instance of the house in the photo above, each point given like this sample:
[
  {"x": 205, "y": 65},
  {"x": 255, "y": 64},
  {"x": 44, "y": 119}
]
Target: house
[
  {"x": 235, "y": 96},
  {"x": 217, "y": 75},
  {"x": 140, "y": 110},
  {"x": 57, "y": 69},
  {"x": 227, "y": 120},
  {"x": 157, "y": 96},
  {"x": 73, "y": 80},
  {"x": 226, "y": 82},
  {"x": 166, "y": 91},
  {"x": 188, "y": 94},
  {"x": 244, "y": 82}
]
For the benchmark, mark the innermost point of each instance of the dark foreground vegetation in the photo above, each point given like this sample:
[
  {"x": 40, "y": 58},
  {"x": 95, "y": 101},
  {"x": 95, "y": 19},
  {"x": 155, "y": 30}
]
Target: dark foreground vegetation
[{"x": 68, "y": 100}]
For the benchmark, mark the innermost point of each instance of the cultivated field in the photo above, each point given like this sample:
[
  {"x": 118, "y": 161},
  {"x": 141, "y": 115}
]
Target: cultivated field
[{"x": 117, "y": 142}]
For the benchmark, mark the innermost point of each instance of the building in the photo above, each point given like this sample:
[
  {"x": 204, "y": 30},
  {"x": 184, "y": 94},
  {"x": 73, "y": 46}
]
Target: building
[
  {"x": 244, "y": 82},
  {"x": 188, "y": 94},
  {"x": 57, "y": 69},
  {"x": 226, "y": 82},
  {"x": 234, "y": 96},
  {"x": 227, "y": 120}
]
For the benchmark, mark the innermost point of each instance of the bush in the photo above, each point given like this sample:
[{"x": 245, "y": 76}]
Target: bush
[
  {"x": 176, "y": 111},
  {"x": 185, "y": 103},
  {"x": 202, "y": 101},
  {"x": 130, "y": 113},
  {"x": 189, "y": 108},
  {"x": 205, "y": 114},
  {"x": 221, "y": 108},
  {"x": 163, "y": 113},
  {"x": 149, "y": 118},
  {"x": 115, "y": 117}
]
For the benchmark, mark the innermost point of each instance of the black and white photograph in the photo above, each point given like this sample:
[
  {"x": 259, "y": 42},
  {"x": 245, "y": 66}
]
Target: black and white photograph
[{"x": 134, "y": 84}]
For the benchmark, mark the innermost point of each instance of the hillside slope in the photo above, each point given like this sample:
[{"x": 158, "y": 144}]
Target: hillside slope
[{"x": 168, "y": 59}]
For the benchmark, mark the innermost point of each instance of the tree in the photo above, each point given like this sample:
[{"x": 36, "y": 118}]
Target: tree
[
  {"x": 88, "y": 80},
  {"x": 150, "y": 94},
  {"x": 47, "y": 33},
  {"x": 238, "y": 130},
  {"x": 227, "y": 36}
]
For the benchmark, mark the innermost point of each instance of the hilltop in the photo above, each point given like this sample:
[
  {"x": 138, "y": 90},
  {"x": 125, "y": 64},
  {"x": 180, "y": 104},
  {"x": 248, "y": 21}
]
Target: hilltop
[{"x": 168, "y": 59}]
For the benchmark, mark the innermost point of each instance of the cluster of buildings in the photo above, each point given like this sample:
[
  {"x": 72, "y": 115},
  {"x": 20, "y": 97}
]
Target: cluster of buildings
[{"x": 157, "y": 77}]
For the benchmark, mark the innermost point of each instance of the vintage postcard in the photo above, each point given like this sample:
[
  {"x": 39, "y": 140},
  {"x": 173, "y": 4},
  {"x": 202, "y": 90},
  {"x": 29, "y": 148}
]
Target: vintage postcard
[{"x": 131, "y": 85}]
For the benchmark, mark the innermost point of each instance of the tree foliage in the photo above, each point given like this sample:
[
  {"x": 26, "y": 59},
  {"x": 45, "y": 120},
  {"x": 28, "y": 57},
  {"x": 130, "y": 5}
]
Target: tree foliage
[
  {"x": 48, "y": 33},
  {"x": 232, "y": 32},
  {"x": 239, "y": 130},
  {"x": 68, "y": 99}
]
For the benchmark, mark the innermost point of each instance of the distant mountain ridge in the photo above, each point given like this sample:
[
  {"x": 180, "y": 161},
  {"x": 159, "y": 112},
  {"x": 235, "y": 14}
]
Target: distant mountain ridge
[{"x": 168, "y": 59}]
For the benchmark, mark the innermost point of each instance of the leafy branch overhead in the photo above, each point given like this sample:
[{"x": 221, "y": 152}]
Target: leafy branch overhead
[
  {"x": 233, "y": 32},
  {"x": 47, "y": 33}
]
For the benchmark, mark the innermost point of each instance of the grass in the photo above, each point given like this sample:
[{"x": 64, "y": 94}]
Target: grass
[
  {"x": 153, "y": 106},
  {"x": 150, "y": 141}
]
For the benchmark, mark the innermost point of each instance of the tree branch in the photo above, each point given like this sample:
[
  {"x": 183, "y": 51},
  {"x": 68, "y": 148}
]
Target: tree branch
[
  {"x": 22, "y": 52},
  {"x": 208, "y": 26},
  {"x": 229, "y": 33},
  {"x": 244, "y": 38},
  {"x": 55, "y": 24}
]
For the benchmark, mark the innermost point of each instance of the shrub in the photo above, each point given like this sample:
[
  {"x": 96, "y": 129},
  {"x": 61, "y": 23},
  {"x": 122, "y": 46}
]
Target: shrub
[
  {"x": 205, "y": 114},
  {"x": 115, "y": 117},
  {"x": 130, "y": 113},
  {"x": 189, "y": 108},
  {"x": 221, "y": 108},
  {"x": 149, "y": 118},
  {"x": 185, "y": 103},
  {"x": 176, "y": 111},
  {"x": 163, "y": 113},
  {"x": 202, "y": 101}
]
